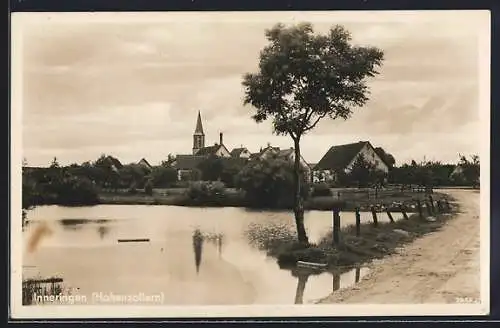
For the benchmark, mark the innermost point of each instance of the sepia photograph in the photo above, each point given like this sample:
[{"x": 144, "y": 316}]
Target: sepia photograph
[{"x": 244, "y": 164}]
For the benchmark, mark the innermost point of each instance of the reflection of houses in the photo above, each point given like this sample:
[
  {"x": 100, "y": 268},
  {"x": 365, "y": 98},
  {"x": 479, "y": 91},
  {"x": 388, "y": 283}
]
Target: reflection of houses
[
  {"x": 198, "y": 239},
  {"x": 341, "y": 159}
]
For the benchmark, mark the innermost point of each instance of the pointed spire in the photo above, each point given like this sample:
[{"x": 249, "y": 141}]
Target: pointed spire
[{"x": 199, "y": 125}]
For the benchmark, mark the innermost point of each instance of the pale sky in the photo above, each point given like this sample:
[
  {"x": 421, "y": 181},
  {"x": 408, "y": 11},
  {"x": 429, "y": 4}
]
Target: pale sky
[{"x": 131, "y": 86}]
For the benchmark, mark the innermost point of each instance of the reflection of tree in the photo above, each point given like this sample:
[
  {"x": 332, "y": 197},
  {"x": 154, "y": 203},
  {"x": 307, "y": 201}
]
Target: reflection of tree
[
  {"x": 217, "y": 239},
  {"x": 102, "y": 231},
  {"x": 301, "y": 286},
  {"x": 73, "y": 224},
  {"x": 219, "y": 245},
  {"x": 197, "y": 247},
  {"x": 302, "y": 277}
]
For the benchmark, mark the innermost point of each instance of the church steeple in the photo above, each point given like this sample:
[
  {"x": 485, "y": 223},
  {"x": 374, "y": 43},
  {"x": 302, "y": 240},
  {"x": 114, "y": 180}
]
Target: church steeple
[
  {"x": 199, "y": 125},
  {"x": 198, "y": 136}
]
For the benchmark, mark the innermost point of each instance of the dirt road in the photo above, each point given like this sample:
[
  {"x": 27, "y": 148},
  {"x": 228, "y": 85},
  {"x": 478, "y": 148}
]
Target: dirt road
[{"x": 442, "y": 267}]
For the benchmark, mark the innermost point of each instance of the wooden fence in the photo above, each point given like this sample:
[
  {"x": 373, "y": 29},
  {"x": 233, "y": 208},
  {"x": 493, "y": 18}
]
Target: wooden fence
[
  {"x": 432, "y": 207},
  {"x": 39, "y": 288}
]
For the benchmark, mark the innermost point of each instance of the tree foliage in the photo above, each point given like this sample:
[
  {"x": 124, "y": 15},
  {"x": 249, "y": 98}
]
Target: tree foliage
[
  {"x": 163, "y": 177},
  {"x": 386, "y": 157},
  {"x": 304, "y": 77},
  {"x": 363, "y": 173},
  {"x": 469, "y": 170},
  {"x": 269, "y": 183}
]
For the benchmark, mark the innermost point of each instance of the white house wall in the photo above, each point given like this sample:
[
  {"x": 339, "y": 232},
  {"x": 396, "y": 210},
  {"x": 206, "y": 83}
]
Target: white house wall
[
  {"x": 371, "y": 156},
  {"x": 222, "y": 152},
  {"x": 245, "y": 154}
]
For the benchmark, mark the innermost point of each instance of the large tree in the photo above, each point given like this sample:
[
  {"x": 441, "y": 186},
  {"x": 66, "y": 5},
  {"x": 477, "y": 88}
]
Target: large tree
[{"x": 304, "y": 77}]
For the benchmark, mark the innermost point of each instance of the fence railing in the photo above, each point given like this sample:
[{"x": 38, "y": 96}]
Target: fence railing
[{"x": 431, "y": 206}]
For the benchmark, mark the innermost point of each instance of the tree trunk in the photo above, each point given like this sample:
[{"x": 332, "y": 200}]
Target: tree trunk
[{"x": 298, "y": 201}]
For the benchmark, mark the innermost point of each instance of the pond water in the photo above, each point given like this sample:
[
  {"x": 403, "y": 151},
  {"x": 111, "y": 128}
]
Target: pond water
[{"x": 80, "y": 244}]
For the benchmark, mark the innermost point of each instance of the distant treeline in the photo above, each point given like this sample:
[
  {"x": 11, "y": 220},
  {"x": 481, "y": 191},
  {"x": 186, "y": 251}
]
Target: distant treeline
[{"x": 265, "y": 183}]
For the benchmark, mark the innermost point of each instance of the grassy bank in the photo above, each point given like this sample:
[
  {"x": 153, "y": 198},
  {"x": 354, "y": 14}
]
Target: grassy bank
[
  {"x": 373, "y": 242},
  {"x": 347, "y": 201}
]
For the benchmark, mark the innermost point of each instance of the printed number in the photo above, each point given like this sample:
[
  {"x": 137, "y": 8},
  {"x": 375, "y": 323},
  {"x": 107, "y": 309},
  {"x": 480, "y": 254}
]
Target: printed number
[{"x": 466, "y": 300}]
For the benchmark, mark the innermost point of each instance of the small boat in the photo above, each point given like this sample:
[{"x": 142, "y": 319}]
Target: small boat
[
  {"x": 311, "y": 265},
  {"x": 139, "y": 240}
]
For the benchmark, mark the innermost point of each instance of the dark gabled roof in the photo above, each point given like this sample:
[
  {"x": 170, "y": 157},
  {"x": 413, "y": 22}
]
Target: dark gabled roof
[
  {"x": 234, "y": 160},
  {"x": 210, "y": 150},
  {"x": 199, "y": 125},
  {"x": 338, "y": 157},
  {"x": 146, "y": 162},
  {"x": 188, "y": 162},
  {"x": 114, "y": 161},
  {"x": 254, "y": 155},
  {"x": 285, "y": 152},
  {"x": 236, "y": 152}
]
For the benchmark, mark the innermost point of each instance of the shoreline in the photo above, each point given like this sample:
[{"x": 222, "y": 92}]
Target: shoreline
[
  {"x": 320, "y": 203},
  {"x": 374, "y": 243},
  {"x": 427, "y": 270}
]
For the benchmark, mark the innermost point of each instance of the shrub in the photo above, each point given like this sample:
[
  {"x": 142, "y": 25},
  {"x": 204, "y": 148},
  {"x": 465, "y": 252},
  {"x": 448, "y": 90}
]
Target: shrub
[
  {"x": 132, "y": 189},
  {"x": 208, "y": 193},
  {"x": 163, "y": 177},
  {"x": 77, "y": 191},
  {"x": 321, "y": 190},
  {"x": 148, "y": 188}
]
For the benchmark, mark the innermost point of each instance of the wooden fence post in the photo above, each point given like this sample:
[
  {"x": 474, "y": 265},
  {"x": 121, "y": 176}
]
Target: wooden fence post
[
  {"x": 374, "y": 215},
  {"x": 432, "y": 203},
  {"x": 356, "y": 277},
  {"x": 358, "y": 222},
  {"x": 429, "y": 209},
  {"x": 448, "y": 206},
  {"x": 439, "y": 206},
  {"x": 336, "y": 226},
  {"x": 403, "y": 211},
  {"x": 419, "y": 207},
  {"x": 389, "y": 215}
]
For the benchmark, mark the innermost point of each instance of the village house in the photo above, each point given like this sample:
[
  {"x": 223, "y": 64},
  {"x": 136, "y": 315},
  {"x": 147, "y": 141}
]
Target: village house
[
  {"x": 286, "y": 154},
  {"x": 241, "y": 152},
  {"x": 341, "y": 158},
  {"x": 113, "y": 162},
  {"x": 144, "y": 163},
  {"x": 186, "y": 165}
]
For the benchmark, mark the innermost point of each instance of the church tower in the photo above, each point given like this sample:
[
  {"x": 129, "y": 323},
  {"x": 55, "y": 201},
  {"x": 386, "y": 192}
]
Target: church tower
[{"x": 198, "y": 136}]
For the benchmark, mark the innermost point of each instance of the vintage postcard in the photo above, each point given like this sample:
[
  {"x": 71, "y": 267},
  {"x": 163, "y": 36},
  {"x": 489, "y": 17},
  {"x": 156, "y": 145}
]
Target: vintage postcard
[{"x": 242, "y": 164}]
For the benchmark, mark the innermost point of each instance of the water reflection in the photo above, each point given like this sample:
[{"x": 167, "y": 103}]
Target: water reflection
[
  {"x": 91, "y": 259},
  {"x": 102, "y": 231},
  {"x": 197, "y": 247},
  {"x": 303, "y": 275},
  {"x": 216, "y": 239}
]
